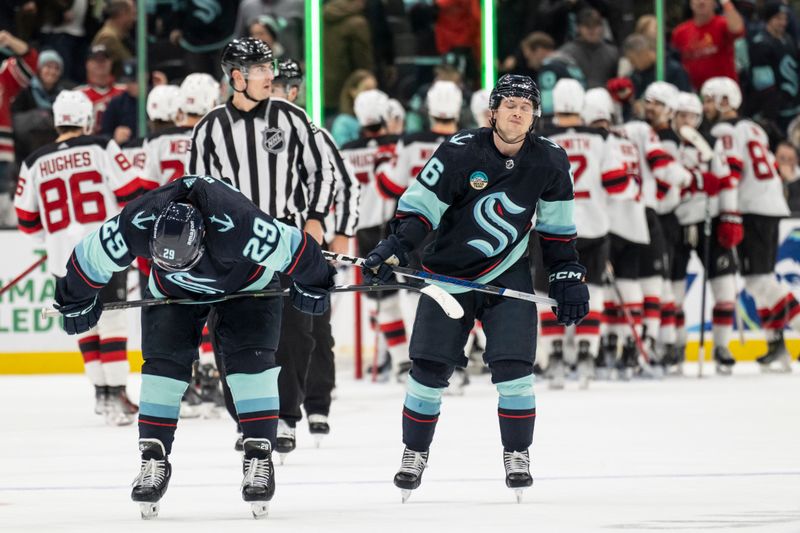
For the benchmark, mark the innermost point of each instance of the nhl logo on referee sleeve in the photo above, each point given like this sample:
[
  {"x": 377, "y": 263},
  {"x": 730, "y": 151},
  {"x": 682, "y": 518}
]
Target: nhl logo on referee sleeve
[{"x": 272, "y": 140}]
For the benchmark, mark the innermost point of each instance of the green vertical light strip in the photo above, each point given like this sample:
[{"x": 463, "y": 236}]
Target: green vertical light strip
[
  {"x": 314, "y": 58},
  {"x": 659, "y": 40},
  {"x": 141, "y": 64},
  {"x": 488, "y": 38}
]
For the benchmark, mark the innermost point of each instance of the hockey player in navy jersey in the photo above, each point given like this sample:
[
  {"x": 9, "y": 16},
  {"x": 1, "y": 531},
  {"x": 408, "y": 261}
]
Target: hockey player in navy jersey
[
  {"x": 206, "y": 240},
  {"x": 479, "y": 191}
]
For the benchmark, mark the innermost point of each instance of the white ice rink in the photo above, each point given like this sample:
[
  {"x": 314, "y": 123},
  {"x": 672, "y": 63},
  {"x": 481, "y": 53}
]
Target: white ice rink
[{"x": 678, "y": 455}]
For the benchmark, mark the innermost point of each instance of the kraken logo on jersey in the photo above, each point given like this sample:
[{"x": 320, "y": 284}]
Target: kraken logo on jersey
[
  {"x": 272, "y": 140},
  {"x": 193, "y": 284},
  {"x": 488, "y": 214}
]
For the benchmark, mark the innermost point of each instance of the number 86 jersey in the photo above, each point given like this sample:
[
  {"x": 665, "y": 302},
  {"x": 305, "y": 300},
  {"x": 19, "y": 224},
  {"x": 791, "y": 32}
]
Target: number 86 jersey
[{"x": 68, "y": 189}]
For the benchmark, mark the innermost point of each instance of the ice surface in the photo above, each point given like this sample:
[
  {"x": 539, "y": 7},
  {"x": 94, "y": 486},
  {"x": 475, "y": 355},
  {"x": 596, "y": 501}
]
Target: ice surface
[{"x": 679, "y": 455}]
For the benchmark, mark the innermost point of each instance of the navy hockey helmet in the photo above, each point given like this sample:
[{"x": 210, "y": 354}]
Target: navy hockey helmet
[
  {"x": 289, "y": 72},
  {"x": 514, "y": 85},
  {"x": 239, "y": 54},
  {"x": 177, "y": 241}
]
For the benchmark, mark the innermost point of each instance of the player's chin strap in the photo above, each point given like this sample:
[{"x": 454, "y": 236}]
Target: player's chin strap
[
  {"x": 493, "y": 124},
  {"x": 244, "y": 92}
]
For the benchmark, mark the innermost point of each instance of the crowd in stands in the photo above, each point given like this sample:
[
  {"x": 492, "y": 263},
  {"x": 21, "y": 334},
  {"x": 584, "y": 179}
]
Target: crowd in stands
[{"x": 399, "y": 46}]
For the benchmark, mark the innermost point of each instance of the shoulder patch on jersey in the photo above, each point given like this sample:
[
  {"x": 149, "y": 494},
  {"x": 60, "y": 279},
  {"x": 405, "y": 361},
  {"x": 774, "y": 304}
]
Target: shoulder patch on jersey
[
  {"x": 478, "y": 180},
  {"x": 273, "y": 140}
]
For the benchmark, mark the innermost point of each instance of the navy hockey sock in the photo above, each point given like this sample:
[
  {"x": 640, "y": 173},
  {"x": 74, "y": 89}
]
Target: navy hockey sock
[
  {"x": 516, "y": 407},
  {"x": 257, "y": 403},
  {"x": 426, "y": 382}
]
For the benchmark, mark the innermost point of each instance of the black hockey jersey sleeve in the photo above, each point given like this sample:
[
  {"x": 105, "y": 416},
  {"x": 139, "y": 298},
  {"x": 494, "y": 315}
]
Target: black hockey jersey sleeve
[{"x": 236, "y": 231}]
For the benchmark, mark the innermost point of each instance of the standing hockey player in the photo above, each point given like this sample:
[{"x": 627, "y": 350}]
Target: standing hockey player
[
  {"x": 597, "y": 173},
  {"x": 711, "y": 187},
  {"x": 479, "y": 192},
  {"x": 272, "y": 152},
  {"x": 206, "y": 241},
  {"x": 66, "y": 190},
  {"x": 755, "y": 226},
  {"x": 321, "y": 376},
  {"x": 372, "y": 156}
]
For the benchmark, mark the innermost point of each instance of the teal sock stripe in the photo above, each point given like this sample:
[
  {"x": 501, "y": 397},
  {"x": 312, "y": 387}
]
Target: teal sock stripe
[
  {"x": 161, "y": 397},
  {"x": 517, "y": 393},
  {"x": 422, "y": 399},
  {"x": 255, "y": 392}
]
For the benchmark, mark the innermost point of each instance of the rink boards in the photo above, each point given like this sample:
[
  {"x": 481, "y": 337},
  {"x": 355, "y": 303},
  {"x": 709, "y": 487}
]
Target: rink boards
[{"x": 30, "y": 344}]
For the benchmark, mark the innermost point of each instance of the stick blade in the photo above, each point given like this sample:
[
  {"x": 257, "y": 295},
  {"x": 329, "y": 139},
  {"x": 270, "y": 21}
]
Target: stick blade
[
  {"x": 698, "y": 141},
  {"x": 449, "y": 305}
]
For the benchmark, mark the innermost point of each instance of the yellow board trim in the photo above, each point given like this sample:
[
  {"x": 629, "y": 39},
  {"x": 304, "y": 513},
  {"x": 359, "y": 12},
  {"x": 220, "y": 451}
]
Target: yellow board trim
[{"x": 53, "y": 362}]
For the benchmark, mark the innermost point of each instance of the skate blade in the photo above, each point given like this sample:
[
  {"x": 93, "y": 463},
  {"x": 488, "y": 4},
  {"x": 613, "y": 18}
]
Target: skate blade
[
  {"x": 318, "y": 441},
  {"x": 405, "y": 494},
  {"x": 724, "y": 370},
  {"x": 260, "y": 510},
  {"x": 583, "y": 383},
  {"x": 282, "y": 457},
  {"x": 149, "y": 510},
  {"x": 518, "y": 493}
]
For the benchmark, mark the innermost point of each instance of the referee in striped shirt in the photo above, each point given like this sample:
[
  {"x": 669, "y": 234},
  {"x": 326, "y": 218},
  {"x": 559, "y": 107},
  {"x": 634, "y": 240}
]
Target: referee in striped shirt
[{"x": 270, "y": 151}]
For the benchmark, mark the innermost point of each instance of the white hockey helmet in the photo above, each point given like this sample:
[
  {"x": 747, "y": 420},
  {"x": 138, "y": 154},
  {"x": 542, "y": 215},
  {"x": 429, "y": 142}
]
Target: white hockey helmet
[
  {"x": 721, "y": 87},
  {"x": 444, "y": 100},
  {"x": 597, "y": 105},
  {"x": 662, "y": 92},
  {"x": 568, "y": 94},
  {"x": 370, "y": 107},
  {"x": 394, "y": 110},
  {"x": 198, "y": 94},
  {"x": 162, "y": 103},
  {"x": 73, "y": 108},
  {"x": 479, "y": 105},
  {"x": 690, "y": 103}
]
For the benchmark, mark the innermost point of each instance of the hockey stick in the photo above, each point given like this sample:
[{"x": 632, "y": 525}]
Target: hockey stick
[
  {"x": 430, "y": 276},
  {"x": 629, "y": 318},
  {"x": 149, "y": 302},
  {"x": 737, "y": 314},
  {"x": 23, "y": 274}
]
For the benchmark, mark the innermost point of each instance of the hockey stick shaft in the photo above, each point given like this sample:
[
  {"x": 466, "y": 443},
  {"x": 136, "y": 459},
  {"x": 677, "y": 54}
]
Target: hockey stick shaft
[
  {"x": 24, "y": 273},
  {"x": 637, "y": 339},
  {"x": 737, "y": 314},
  {"x": 430, "y": 276},
  {"x": 149, "y": 302},
  {"x": 701, "y": 351}
]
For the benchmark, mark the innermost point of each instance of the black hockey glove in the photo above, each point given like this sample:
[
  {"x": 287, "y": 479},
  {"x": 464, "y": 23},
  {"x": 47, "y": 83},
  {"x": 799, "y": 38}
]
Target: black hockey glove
[
  {"x": 379, "y": 262},
  {"x": 79, "y": 317},
  {"x": 312, "y": 300},
  {"x": 567, "y": 287}
]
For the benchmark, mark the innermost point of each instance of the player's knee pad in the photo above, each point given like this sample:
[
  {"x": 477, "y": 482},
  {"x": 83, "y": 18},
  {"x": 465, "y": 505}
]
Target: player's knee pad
[
  {"x": 596, "y": 294},
  {"x": 255, "y": 392},
  {"x": 422, "y": 399},
  {"x": 515, "y": 393},
  {"x": 113, "y": 324},
  {"x": 431, "y": 373},
  {"x": 161, "y": 396},
  {"x": 175, "y": 369},
  {"x": 249, "y": 361},
  {"x": 678, "y": 292},
  {"x": 509, "y": 370},
  {"x": 651, "y": 286},
  {"x": 723, "y": 288}
]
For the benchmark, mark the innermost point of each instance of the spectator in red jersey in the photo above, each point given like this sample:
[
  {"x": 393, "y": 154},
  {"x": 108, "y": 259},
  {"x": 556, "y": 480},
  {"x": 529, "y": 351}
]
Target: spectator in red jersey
[
  {"x": 15, "y": 75},
  {"x": 100, "y": 87},
  {"x": 705, "y": 42}
]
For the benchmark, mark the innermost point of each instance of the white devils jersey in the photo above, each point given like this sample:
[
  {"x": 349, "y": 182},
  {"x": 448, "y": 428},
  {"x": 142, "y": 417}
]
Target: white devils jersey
[
  {"x": 626, "y": 212},
  {"x": 168, "y": 154},
  {"x": 413, "y": 152},
  {"x": 658, "y": 169},
  {"x": 372, "y": 159},
  {"x": 67, "y": 190},
  {"x": 752, "y": 164},
  {"x": 692, "y": 208},
  {"x": 134, "y": 153},
  {"x": 669, "y": 200},
  {"x": 597, "y": 171}
]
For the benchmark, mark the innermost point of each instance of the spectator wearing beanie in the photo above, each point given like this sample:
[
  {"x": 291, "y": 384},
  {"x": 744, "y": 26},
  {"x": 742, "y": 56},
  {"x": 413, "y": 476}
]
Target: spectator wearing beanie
[{"x": 44, "y": 86}]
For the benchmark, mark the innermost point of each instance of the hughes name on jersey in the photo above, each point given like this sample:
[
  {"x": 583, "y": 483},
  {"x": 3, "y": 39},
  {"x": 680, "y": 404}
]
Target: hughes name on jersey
[
  {"x": 68, "y": 189},
  {"x": 371, "y": 159},
  {"x": 243, "y": 246},
  {"x": 483, "y": 202}
]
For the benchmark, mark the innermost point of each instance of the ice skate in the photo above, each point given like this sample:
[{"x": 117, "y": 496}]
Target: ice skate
[
  {"x": 458, "y": 381},
  {"x": 318, "y": 427},
  {"x": 121, "y": 411},
  {"x": 723, "y": 360},
  {"x": 239, "y": 444},
  {"x": 556, "y": 370},
  {"x": 258, "y": 485},
  {"x": 518, "y": 474},
  {"x": 628, "y": 361},
  {"x": 383, "y": 371},
  {"x": 409, "y": 476},
  {"x": 100, "y": 399},
  {"x": 210, "y": 389},
  {"x": 402, "y": 371},
  {"x": 191, "y": 403},
  {"x": 585, "y": 365},
  {"x": 151, "y": 483},
  {"x": 605, "y": 361},
  {"x": 286, "y": 439},
  {"x": 777, "y": 358}
]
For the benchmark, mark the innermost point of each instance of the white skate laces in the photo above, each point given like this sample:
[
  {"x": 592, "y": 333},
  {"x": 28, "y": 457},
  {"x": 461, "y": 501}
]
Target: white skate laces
[
  {"x": 413, "y": 462},
  {"x": 152, "y": 473},
  {"x": 256, "y": 473},
  {"x": 516, "y": 462}
]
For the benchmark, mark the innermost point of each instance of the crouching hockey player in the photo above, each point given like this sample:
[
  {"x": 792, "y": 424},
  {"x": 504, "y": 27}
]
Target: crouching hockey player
[
  {"x": 206, "y": 240},
  {"x": 479, "y": 191}
]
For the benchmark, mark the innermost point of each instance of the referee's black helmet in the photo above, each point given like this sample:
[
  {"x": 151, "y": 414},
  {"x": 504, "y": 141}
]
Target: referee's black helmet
[
  {"x": 289, "y": 72},
  {"x": 239, "y": 54},
  {"x": 177, "y": 241}
]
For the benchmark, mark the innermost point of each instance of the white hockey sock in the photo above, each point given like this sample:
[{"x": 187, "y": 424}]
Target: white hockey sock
[
  {"x": 589, "y": 328},
  {"x": 89, "y": 344},
  {"x": 724, "y": 290},
  {"x": 390, "y": 322},
  {"x": 652, "y": 289},
  {"x": 113, "y": 331}
]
